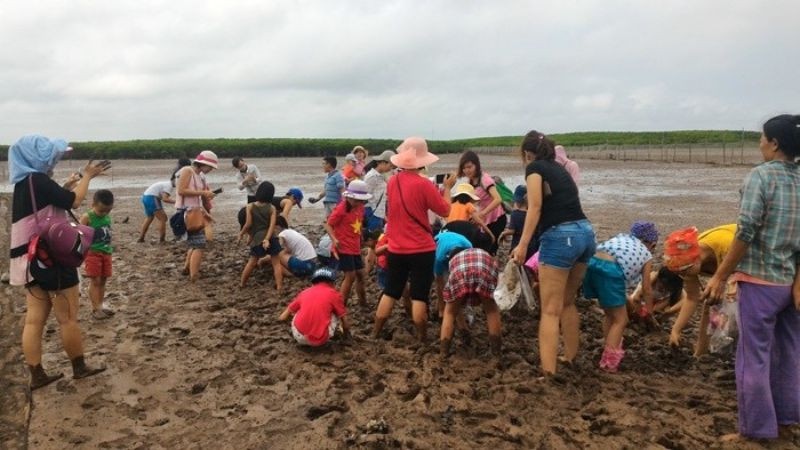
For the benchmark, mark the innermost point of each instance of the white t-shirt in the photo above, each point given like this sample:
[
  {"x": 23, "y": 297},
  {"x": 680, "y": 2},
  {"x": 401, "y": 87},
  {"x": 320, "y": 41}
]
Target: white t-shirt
[
  {"x": 159, "y": 188},
  {"x": 298, "y": 245},
  {"x": 252, "y": 186}
]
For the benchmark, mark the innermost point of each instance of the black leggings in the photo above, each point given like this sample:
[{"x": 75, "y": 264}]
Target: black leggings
[{"x": 414, "y": 267}]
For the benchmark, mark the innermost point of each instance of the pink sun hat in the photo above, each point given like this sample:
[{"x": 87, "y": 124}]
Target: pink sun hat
[{"x": 413, "y": 154}]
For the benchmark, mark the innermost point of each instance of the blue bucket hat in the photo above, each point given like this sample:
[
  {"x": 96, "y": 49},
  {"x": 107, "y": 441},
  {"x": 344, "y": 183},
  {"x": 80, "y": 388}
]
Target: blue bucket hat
[
  {"x": 323, "y": 274},
  {"x": 34, "y": 153},
  {"x": 297, "y": 194},
  {"x": 519, "y": 193}
]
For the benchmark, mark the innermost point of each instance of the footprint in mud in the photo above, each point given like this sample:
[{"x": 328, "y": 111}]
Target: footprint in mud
[{"x": 317, "y": 411}]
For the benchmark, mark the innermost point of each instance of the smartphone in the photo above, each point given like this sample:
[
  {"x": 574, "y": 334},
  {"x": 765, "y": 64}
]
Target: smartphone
[
  {"x": 440, "y": 178},
  {"x": 217, "y": 191}
]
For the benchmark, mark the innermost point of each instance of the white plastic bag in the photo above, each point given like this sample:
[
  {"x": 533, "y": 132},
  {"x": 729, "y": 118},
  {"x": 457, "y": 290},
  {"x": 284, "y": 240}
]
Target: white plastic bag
[{"x": 508, "y": 287}]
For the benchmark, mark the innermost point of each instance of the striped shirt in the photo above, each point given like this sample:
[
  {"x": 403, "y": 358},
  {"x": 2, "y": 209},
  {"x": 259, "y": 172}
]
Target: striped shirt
[{"x": 769, "y": 221}]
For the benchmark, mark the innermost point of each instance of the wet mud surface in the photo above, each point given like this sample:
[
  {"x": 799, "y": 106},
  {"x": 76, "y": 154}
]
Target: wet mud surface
[{"x": 209, "y": 365}]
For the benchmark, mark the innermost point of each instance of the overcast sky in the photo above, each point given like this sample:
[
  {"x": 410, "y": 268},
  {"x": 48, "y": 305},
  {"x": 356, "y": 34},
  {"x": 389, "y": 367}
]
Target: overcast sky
[{"x": 112, "y": 70}]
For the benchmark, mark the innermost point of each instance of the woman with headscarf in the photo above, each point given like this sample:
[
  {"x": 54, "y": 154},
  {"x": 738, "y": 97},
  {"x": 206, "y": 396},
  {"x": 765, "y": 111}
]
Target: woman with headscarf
[
  {"x": 411, "y": 247},
  {"x": 192, "y": 191},
  {"x": 567, "y": 242},
  {"x": 689, "y": 255},
  {"x": 570, "y": 165},
  {"x": 763, "y": 259},
  {"x": 31, "y": 161}
]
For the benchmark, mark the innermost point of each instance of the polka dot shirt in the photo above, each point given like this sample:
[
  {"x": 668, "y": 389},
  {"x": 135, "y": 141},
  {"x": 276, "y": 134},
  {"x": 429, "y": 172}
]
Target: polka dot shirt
[{"x": 630, "y": 253}]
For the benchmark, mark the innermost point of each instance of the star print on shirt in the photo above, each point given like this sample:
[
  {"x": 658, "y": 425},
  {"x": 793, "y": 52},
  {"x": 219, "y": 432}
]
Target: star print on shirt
[{"x": 356, "y": 226}]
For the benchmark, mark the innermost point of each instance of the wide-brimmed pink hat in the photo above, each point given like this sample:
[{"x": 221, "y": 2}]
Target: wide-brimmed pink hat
[
  {"x": 413, "y": 154},
  {"x": 208, "y": 158}
]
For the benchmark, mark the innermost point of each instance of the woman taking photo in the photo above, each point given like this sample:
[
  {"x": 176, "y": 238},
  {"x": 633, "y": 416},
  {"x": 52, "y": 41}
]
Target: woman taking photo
[
  {"x": 763, "y": 259},
  {"x": 490, "y": 208},
  {"x": 411, "y": 250},
  {"x": 192, "y": 191},
  {"x": 567, "y": 242},
  {"x": 31, "y": 161}
]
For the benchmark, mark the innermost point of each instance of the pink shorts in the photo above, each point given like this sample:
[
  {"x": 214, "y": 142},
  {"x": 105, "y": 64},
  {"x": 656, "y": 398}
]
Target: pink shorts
[{"x": 97, "y": 264}]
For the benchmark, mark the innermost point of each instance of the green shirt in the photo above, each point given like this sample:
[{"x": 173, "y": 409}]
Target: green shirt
[{"x": 102, "y": 232}]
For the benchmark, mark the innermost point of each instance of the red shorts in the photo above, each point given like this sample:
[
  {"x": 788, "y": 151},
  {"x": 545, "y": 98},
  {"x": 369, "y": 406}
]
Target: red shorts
[{"x": 97, "y": 264}]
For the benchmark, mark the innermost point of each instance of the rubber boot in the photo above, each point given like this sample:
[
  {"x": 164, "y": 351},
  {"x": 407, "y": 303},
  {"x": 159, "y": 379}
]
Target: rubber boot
[
  {"x": 39, "y": 378},
  {"x": 496, "y": 345},
  {"x": 378, "y": 327},
  {"x": 444, "y": 348},
  {"x": 81, "y": 370},
  {"x": 604, "y": 358}
]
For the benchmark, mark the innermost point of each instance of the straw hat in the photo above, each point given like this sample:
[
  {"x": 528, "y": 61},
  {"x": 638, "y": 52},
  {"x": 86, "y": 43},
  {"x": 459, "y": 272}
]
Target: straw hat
[
  {"x": 357, "y": 190},
  {"x": 465, "y": 189},
  {"x": 413, "y": 154},
  {"x": 208, "y": 158}
]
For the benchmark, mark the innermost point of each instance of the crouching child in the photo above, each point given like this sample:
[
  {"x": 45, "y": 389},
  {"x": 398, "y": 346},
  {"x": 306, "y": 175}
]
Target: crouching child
[
  {"x": 318, "y": 311},
  {"x": 472, "y": 280}
]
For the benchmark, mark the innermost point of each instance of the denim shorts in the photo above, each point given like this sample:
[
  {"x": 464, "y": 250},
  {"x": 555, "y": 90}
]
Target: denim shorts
[
  {"x": 566, "y": 244},
  {"x": 151, "y": 204},
  {"x": 300, "y": 268}
]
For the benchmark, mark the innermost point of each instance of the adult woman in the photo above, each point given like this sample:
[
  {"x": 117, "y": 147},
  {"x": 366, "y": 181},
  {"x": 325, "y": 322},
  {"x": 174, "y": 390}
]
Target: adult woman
[
  {"x": 764, "y": 256},
  {"x": 361, "y": 160},
  {"x": 32, "y": 159},
  {"x": 690, "y": 255},
  {"x": 490, "y": 207},
  {"x": 567, "y": 243},
  {"x": 192, "y": 190},
  {"x": 411, "y": 247},
  {"x": 284, "y": 205}
]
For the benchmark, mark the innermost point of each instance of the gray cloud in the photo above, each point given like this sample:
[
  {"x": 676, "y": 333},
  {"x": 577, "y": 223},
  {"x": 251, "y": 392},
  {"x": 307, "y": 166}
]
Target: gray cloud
[{"x": 90, "y": 70}]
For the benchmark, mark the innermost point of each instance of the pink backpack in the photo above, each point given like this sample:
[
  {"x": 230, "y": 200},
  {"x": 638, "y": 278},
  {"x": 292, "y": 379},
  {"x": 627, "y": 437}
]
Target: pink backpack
[{"x": 58, "y": 240}]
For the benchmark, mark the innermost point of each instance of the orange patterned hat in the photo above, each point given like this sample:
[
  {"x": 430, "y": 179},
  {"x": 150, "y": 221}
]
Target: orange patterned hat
[{"x": 681, "y": 249}]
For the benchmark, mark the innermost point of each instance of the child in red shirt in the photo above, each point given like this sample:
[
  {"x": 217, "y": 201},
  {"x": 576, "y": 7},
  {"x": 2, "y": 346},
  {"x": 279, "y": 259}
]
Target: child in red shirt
[
  {"x": 344, "y": 228},
  {"x": 318, "y": 311}
]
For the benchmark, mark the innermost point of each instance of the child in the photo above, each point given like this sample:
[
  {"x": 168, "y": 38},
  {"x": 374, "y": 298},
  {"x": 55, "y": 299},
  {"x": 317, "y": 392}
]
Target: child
[
  {"x": 463, "y": 207},
  {"x": 360, "y": 166},
  {"x": 318, "y": 310},
  {"x": 448, "y": 243},
  {"x": 668, "y": 293},
  {"x": 516, "y": 221},
  {"x": 472, "y": 280},
  {"x": 381, "y": 261},
  {"x": 618, "y": 264},
  {"x": 298, "y": 256},
  {"x": 97, "y": 266},
  {"x": 344, "y": 228},
  {"x": 152, "y": 202},
  {"x": 349, "y": 169},
  {"x": 334, "y": 186},
  {"x": 259, "y": 226}
]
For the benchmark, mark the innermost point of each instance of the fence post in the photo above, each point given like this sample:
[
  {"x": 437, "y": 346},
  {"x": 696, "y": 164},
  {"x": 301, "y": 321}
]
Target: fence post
[{"x": 723, "y": 153}]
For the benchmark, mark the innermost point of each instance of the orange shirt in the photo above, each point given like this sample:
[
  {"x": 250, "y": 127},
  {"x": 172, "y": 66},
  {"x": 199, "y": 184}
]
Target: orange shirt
[{"x": 461, "y": 211}]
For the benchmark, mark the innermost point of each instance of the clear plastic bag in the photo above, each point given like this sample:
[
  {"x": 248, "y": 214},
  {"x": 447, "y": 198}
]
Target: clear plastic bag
[{"x": 722, "y": 326}]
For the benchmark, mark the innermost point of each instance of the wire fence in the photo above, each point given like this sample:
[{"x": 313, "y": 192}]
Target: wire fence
[{"x": 740, "y": 153}]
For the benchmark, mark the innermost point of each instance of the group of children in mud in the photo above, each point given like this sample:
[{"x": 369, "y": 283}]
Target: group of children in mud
[{"x": 620, "y": 274}]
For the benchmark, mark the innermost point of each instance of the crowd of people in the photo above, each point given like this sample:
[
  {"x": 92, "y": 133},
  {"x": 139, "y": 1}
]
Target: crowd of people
[{"x": 417, "y": 230}]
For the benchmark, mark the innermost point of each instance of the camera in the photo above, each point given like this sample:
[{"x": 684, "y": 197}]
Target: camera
[{"x": 440, "y": 178}]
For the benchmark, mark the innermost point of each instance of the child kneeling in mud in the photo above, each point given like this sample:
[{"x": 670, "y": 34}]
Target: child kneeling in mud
[
  {"x": 619, "y": 264},
  {"x": 472, "y": 279},
  {"x": 317, "y": 310}
]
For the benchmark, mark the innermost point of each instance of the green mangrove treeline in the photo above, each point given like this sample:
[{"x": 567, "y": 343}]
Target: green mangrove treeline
[{"x": 271, "y": 147}]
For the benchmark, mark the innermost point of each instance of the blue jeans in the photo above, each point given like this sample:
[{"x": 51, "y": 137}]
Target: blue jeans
[{"x": 567, "y": 243}]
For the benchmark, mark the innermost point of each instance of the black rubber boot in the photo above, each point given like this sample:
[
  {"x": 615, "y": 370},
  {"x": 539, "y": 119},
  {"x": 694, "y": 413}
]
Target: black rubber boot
[
  {"x": 81, "y": 370},
  {"x": 444, "y": 348},
  {"x": 496, "y": 345},
  {"x": 39, "y": 378},
  {"x": 378, "y": 327}
]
